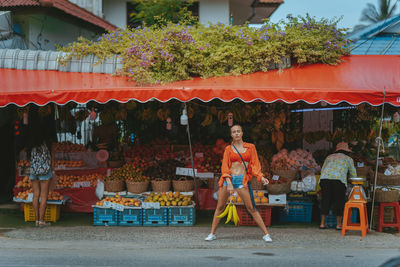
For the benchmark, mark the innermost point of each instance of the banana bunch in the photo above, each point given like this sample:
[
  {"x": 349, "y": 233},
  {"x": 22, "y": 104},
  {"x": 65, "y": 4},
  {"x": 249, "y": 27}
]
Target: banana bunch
[
  {"x": 231, "y": 211},
  {"x": 207, "y": 120}
]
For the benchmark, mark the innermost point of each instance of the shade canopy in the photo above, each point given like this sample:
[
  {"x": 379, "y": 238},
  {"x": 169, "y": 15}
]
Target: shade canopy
[{"x": 356, "y": 80}]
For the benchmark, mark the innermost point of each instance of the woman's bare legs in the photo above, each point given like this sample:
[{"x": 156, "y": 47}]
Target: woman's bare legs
[
  {"x": 44, "y": 191},
  {"x": 35, "y": 199},
  {"x": 245, "y": 195},
  {"x": 223, "y": 196}
]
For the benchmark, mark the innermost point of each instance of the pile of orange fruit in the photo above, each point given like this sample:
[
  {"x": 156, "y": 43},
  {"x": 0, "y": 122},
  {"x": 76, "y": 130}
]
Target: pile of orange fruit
[
  {"x": 24, "y": 183},
  {"x": 68, "y": 147},
  {"x": 69, "y": 180},
  {"x": 54, "y": 196},
  {"x": 24, "y": 194},
  {"x": 259, "y": 198},
  {"x": 51, "y": 196},
  {"x": 132, "y": 202},
  {"x": 69, "y": 163},
  {"x": 23, "y": 163}
]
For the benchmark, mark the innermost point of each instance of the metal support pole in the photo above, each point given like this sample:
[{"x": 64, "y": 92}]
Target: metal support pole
[
  {"x": 191, "y": 158},
  {"x": 380, "y": 141}
]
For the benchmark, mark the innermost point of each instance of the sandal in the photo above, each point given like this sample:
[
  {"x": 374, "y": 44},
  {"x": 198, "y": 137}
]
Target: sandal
[
  {"x": 323, "y": 227},
  {"x": 37, "y": 223},
  {"x": 43, "y": 224}
]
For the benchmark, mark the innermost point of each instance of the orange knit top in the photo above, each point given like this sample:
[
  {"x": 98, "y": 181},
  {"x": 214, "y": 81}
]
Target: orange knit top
[{"x": 254, "y": 167}]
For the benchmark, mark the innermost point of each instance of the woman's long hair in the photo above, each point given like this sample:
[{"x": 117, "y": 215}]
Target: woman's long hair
[{"x": 38, "y": 131}]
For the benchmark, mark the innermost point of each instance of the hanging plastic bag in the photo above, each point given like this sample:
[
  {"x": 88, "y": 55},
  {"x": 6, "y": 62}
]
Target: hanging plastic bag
[{"x": 99, "y": 189}]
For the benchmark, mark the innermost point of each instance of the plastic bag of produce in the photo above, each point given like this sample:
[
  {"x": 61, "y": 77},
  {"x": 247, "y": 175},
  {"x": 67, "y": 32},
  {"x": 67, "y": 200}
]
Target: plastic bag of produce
[{"x": 99, "y": 189}]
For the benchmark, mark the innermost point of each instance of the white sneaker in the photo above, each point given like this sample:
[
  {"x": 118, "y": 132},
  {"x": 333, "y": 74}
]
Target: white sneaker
[
  {"x": 210, "y": 237},
  {"x": 267, "y": 238}
]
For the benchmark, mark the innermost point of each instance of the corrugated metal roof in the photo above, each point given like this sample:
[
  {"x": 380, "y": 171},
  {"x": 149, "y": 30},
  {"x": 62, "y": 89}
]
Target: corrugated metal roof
[
  {"x": 380, "y": 45},
  {"x": 49, "y": 60},
  {"x": 374, "y": 29},
  {"x": 63, "y": 5}
]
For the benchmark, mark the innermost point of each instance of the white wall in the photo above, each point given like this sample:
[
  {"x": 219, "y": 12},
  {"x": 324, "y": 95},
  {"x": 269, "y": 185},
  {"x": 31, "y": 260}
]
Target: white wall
[
  {"x": 214, "y": 11},
  {"x": 42, "y": 32},
  {"x": 115, "y": 12},
  {"x": 94, "y": 6},
  {"x": 321, "y": 120}
]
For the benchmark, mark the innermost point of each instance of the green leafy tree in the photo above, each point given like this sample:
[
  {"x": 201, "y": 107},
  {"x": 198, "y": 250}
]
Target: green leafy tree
[
  {"x": 161, "y": 12},
  {"x": 372, "y": 14}
]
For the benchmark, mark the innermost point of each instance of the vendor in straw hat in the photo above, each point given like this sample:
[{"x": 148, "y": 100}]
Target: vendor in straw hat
[{"x": 333, "y": 182}]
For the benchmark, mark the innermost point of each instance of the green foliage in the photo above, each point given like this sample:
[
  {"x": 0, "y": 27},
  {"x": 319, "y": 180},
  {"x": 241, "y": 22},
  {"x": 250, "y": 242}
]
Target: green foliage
[
  {"x": 179, "y": 51},
  {"x": 373, "y": 15},
  {"x": 161, "y": 12}
]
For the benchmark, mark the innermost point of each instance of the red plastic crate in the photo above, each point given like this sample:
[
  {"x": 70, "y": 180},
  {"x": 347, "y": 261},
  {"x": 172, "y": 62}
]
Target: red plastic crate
[{"x": 247, "y": 219}]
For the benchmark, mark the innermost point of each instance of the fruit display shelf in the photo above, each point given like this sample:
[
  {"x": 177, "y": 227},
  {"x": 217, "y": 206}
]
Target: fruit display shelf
[
  {"x": 52, "y": 213},
  {"x": 182, "y": 215},
  {"x": 155, "y": 217}
]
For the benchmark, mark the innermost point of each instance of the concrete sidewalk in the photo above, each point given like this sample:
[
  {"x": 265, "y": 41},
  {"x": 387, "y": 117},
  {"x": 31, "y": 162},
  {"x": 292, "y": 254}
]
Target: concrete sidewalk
[
  {"x": 193, "y": 237},
  {"x": 185, "y": 246}
]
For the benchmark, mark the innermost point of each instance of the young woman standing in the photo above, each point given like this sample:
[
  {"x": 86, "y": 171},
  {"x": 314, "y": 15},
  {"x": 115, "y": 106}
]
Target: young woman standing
[{"x": 236, "y": 176}]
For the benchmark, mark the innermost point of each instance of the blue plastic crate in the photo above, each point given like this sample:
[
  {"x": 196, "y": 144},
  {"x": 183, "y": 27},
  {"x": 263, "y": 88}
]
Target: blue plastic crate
[
  {"x": 155, "y": 217},
  {"x": 131, "y": 217},
  {"x": 105, "y": 216},
  {"x": 298, "y": 212},
  {"x": 331, "y": 218},
  {"x": 182, "y": 216}
]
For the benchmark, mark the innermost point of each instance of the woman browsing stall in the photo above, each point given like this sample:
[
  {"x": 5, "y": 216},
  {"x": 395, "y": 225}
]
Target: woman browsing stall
[
  {"x": 333, "y": 183},
  {"x": 240, "y": 163}
]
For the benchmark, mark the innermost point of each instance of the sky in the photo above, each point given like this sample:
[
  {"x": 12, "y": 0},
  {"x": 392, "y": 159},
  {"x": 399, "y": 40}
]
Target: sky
[{"x": 349, "y": 9}]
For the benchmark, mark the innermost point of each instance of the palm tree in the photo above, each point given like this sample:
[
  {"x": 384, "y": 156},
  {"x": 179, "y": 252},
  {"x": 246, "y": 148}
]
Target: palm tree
[{"x": 371, "y": 14}]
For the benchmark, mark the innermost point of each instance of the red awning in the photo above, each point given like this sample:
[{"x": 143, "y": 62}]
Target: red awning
[{"x": 358, "y": 79}]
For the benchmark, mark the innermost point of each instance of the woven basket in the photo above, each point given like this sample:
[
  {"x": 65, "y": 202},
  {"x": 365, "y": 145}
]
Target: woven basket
[
  {"x": 183, "y": 185},
  {"x": 289, "y": 174},
  {"x": 160, "y": 185},
  {"x": 256, "y": 185},
  {"x": 114, "y": 185},
  {"x": 137, "y": 187},
  {"x": 363, "y": 172},
  {"x": 386, "y": 196},
  {"x": 382, "y": 179},
  {"x": 277, "y": 189}
]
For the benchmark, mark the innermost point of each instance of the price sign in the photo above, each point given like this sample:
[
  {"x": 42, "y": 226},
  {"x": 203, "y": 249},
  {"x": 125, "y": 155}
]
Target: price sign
[
  {"x": 118, "y": 207},
  {"x": 275, "y": 177},
  {"x": 199, "y": 155},
  {"x": 185, "y": 171},
  {"x": 205, "y": 174},
  {"x": 107, "y": 204},
  {"x": 81, "y": 184},
  {"x": 150, "y": 205},
  {"x": 30, "y": 197},
  {"x": 360, "y": 164}
]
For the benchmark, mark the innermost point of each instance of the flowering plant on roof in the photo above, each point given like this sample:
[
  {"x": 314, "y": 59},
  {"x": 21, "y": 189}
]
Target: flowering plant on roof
[{"x": 178, "y": 51}]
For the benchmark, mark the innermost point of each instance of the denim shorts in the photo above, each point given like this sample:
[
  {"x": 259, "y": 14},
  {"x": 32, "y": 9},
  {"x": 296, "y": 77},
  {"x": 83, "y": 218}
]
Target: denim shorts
[
  {"x": 237, "y": 181},
  {"x": 41, "y": 177}
]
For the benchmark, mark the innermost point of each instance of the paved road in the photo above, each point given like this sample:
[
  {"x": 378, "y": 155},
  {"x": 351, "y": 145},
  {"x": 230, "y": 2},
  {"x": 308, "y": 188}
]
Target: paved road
[{"x": 168, "y": 246}]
